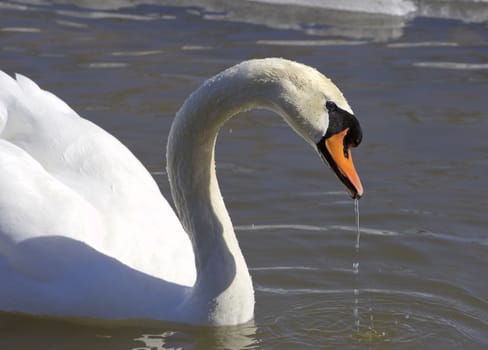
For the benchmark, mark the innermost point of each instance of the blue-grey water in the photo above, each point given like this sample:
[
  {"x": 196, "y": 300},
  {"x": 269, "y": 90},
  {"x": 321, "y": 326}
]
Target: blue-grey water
[{"x": 416, "y": 75}]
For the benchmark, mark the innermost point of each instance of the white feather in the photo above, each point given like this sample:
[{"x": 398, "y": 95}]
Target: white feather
[{"x": 84, "y": 229}]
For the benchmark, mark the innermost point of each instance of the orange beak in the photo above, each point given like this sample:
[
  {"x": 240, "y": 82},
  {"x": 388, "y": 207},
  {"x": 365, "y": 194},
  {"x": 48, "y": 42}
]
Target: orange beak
[{"x": 338, "y": 155}]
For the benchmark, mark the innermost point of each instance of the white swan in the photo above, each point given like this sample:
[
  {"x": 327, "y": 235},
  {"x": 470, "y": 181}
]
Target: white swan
[{"x": 84, "y": 229}]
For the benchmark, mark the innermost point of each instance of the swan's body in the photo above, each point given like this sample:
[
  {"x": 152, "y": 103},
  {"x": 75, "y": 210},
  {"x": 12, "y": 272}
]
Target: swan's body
[{"x": 84, "y": 229}]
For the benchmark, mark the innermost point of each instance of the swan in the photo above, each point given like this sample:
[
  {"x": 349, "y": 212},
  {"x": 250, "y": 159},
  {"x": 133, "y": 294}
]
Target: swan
[{"x": 84, "y": 229}]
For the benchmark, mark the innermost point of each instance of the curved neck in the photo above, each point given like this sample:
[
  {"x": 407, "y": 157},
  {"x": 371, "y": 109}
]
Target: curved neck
[{"x": 223, "y": 281}]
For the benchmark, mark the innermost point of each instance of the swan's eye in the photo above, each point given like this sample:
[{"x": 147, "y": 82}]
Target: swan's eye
[
  {"x": 331, "y": 106},
  {"x": 344, "y": 123}
]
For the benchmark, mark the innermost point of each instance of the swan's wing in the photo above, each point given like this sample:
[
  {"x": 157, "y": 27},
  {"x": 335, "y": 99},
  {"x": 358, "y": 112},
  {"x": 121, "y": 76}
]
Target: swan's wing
[
  {"x": 67, "y": 162},
  {"x": 33, "y": 204}
]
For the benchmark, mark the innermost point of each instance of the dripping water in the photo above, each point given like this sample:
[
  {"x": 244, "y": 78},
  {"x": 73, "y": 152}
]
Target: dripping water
[
  {"x": 358, "y": 231},
  {"x": 355, "y": 269},
  {"x": 369, "y": 332}
]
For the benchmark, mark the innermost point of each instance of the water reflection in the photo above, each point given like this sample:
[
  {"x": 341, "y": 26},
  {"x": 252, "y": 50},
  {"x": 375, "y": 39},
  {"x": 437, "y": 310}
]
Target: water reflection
[
  {"x": 375, "y": 20},
  {"x": 231, "y": 338},
  {"x": 64, "y": 333}
]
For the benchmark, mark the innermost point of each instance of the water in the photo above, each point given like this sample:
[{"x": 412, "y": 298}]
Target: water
[
  {"x": 355, "y": 267},
  {"x": 363, "y": 333},
  {"x": 358, "y": 229},
  {"x": 418, "y": 84}
]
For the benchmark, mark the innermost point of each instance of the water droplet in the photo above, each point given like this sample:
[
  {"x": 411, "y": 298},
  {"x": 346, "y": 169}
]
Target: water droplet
[
  {"x": 355, "y": 268},
  {"x": 357, "y": 323}
]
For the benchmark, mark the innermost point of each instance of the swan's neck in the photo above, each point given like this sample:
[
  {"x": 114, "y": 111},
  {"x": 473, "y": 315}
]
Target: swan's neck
[{"x": 223, "y": 292}]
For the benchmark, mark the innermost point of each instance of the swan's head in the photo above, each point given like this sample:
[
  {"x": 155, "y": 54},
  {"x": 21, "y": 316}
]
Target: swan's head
[
  {"x": 343, "y": 132},
  {"x": 317, "y": 110},
  {"x": 309, "y": 102}
]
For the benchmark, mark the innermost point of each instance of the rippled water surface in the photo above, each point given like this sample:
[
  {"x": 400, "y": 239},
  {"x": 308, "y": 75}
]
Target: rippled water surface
[{"x": 418, "y": 83}]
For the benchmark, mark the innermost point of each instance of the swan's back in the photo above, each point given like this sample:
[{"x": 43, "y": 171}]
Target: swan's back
[{"x": 62, "y": 176}]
